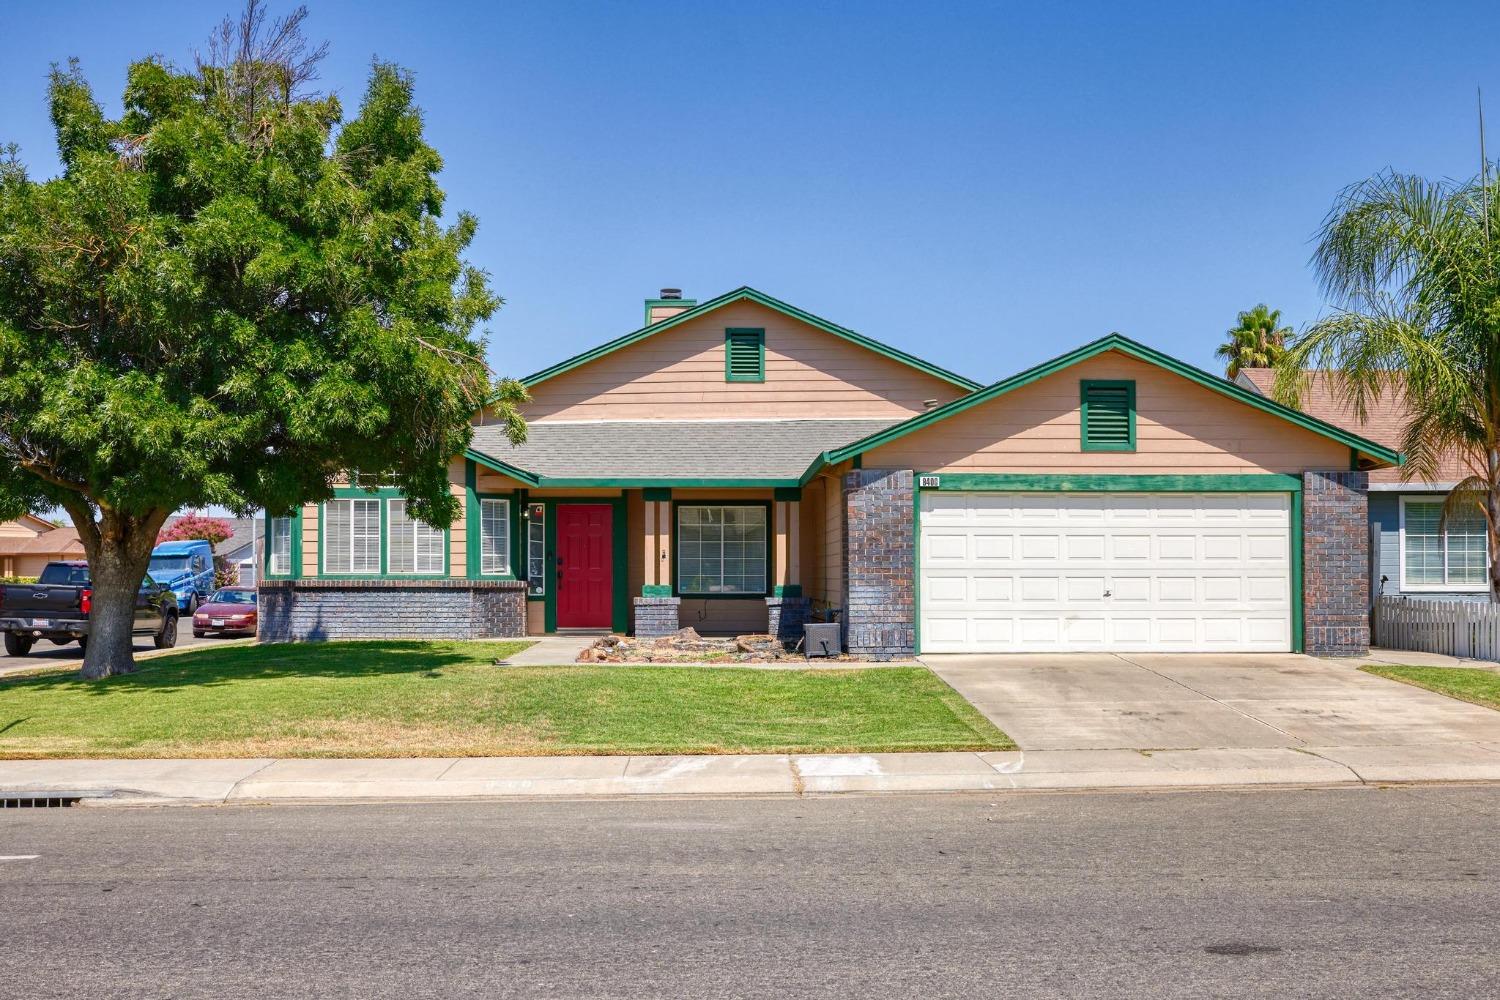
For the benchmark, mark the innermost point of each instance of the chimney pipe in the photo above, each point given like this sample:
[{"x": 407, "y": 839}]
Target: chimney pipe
[{"x": 671, "y": 293}]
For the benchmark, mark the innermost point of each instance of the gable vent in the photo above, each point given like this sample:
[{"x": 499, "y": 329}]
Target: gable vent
[
  {"x": 744, "y": 355},
  {"x": 1108, "y": 416}
]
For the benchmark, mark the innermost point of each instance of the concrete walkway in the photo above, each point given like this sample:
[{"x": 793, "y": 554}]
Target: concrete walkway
[{"x": 206, "y": 782}]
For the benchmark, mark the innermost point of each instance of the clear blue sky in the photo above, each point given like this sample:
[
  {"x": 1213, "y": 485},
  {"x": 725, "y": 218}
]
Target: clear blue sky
[{"x": 985, "y": 185}]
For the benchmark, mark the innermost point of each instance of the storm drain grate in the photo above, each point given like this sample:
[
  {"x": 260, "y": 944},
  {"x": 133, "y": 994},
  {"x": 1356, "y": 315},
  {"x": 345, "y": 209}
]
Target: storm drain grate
[{"x": 38, "y": 801}]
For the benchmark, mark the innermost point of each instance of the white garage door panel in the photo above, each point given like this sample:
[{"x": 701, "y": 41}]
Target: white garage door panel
[{"x": 1017, "y": 572}]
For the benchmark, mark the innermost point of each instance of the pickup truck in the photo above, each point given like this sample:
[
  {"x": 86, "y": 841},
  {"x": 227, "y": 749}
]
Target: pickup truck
[{"x": 57, "y": 607}]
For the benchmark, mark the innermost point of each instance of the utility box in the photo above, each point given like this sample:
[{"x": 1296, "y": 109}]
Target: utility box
[{"x": 823, "y": 639}]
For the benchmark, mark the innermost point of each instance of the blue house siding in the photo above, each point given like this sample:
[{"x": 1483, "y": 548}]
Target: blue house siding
[{"x": 1385, "y": 515}]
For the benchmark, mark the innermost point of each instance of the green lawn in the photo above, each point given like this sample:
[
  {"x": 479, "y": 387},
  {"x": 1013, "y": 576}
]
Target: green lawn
[
  {"x": 1482, "y": 687},
  {"x": 418, "y": 699}
]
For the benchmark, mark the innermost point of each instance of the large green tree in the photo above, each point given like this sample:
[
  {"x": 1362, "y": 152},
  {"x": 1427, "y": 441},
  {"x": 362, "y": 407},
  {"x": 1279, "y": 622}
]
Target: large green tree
[
  {"x": 1413, "y": 267},
  {"x": 229, "y": 296},
  {"x": 1257, "y": 340}
]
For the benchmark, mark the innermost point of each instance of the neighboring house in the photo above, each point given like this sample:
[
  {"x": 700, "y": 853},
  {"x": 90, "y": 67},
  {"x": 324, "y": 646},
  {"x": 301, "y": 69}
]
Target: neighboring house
[
  {"x": 1412, "y": 553},
  {"x": 29, "y": 543},
  {"x": 738, "y": 464}
]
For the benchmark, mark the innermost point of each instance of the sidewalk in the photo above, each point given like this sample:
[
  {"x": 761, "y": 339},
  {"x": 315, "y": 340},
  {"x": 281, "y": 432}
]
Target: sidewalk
[{"x": 203, "y": 782}]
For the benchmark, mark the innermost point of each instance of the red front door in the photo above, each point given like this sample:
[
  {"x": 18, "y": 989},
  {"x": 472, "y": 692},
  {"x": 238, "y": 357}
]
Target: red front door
[{"x": 585, "y": 565}]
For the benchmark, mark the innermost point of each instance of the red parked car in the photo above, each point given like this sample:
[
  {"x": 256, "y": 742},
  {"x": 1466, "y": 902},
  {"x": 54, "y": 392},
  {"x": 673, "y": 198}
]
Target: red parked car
[{"x": 227, "y": 611}]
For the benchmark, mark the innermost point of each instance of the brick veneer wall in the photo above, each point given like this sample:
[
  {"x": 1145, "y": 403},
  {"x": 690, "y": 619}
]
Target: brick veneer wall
[
  {"x": 1336, "y": 563},
  {"x": 785, "y": 617},
  {"x": 311, "y": 610},
  {"x": 656, "y": 616},
  {"x": 880, "y": 564}
]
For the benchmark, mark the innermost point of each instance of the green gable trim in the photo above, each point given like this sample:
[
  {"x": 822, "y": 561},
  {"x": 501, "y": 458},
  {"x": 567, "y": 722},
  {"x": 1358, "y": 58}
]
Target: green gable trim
[
  {"x": 750, "y": 294},
  {"x": 1123, "y": 344},
  {"x": 744, "y": 354},
  {"x": 1020, "y": 482},
  {"x": 1106, "y": 418},
  {"x": 655, "y": 493},
  {"x": 504, "y": 468}
]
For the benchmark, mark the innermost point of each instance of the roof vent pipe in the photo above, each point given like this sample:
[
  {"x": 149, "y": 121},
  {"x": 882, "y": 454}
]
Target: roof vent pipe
[{"x": 671, "y": 293}]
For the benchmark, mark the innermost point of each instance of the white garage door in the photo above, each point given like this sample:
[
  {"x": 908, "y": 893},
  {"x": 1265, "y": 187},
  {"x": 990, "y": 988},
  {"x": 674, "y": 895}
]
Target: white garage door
[{"x": 1019, "y": 572}]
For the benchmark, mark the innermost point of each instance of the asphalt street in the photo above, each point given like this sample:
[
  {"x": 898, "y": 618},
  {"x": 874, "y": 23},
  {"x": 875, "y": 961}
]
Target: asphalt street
[
  {"x": 46, "y": 654},
  {"x": 1275, "y": 893}
]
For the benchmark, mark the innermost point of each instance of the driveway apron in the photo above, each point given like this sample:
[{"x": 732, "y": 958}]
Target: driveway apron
[{"x": 1149, "y": 701}]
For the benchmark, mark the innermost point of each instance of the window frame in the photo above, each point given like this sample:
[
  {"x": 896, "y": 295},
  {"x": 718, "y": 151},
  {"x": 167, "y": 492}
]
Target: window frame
[
  {"x": 387, "y": 525},
  {"x": 1445, "y": 587},
  {"x": 1084, "y": 385},
  {"x": 294, "y": 547},
  {"x": 508, "y": 549},
  {"x": 323, "y": 536},
  {"x": 381, "y": 497},
  {"x": 760, "y": 347},
  {"x": 677, "y": 575}
]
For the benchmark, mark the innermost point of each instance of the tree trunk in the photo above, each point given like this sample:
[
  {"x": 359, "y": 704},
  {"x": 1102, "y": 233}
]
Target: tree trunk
[{"x": 119, "y": 550}]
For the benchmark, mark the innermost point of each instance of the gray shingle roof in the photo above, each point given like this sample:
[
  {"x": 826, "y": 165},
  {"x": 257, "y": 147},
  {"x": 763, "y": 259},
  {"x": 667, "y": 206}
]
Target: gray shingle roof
[{"x": 673, "y": 449}]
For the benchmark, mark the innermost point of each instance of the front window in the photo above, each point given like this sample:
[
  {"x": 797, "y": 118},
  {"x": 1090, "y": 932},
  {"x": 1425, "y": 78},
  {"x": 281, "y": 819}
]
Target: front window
[
  {"x": 721, "y": 549},
  {"x": 1439, "y": 556},
  {"x": 351, "y": 542},
  {"x": 279, "y": 541},
  {"x": 494, "y": 537},
  {"x": 536, "y": 550},
  {"x": 416, "y": 548}
]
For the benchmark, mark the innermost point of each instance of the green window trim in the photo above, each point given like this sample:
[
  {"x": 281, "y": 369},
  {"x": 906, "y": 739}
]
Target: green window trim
[
  {"x": 295, "y": 561},
  {"x": 1106, "y": 414},
  {"x": 473, "y": 538},
  {"x": 677, "y": 590},
  {"x": 744, "y": 354},
  {"x": 384, "y": 495}
]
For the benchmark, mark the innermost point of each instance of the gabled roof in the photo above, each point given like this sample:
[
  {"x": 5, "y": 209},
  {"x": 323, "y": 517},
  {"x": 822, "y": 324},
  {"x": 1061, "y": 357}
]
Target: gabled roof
[
  {"x": 747, "y": 293},
  {"x": 61, "y": 541},
  {"x": 1385, "y": 420},
  {"x": 1123, "y": 344},
  {"x": 631, "y": 453}
]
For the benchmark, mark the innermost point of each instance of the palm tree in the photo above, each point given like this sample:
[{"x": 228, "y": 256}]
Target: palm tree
[
  {"x": 1257, "y": 340},
  {"x": 1412, "y": 268}
]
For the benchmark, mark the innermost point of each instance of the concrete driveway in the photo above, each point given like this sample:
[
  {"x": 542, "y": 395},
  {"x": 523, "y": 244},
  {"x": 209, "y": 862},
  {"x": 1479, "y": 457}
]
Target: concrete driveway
[{"x": 1146, "y": 701}]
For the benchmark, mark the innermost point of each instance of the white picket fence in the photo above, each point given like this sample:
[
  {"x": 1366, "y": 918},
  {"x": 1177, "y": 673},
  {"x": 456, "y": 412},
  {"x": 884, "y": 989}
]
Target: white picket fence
[{"x": 1457, "y": 628}]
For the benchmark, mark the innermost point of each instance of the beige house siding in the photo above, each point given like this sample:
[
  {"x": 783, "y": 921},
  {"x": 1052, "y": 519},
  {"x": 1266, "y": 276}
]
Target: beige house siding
[
  {"x": 1181, "y": 428},
  {"x": 678, "y": 374},
  {"x": 20, "y": 528}
]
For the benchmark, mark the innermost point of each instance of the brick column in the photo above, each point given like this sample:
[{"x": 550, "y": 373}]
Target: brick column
[
  {"x": 1336, "y": 563},
  {"x": 880, "y": 570}
]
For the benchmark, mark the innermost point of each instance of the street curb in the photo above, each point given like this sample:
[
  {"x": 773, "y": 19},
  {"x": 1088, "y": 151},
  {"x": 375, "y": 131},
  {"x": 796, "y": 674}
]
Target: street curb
[{"x": 264, "y": 780}]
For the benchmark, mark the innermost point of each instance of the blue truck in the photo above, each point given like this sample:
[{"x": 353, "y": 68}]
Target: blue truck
[{"x": 186, "y": 567}]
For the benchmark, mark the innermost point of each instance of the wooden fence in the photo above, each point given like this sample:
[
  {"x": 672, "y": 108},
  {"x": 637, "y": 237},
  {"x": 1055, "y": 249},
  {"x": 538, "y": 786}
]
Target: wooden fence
[{"x": 1457, "y": 628}]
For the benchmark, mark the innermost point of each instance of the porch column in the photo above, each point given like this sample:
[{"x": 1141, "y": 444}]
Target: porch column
[
  {"x": 656, "y": 608},
  {"x": 786, "y": 608}
]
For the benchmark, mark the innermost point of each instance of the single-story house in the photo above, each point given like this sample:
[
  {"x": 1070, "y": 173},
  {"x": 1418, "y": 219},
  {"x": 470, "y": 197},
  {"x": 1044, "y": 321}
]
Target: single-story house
[
  {"x": 1412, "y": 552},
  {"x": 28, "y": 543},
  {"x": 739, "y": 464}
]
